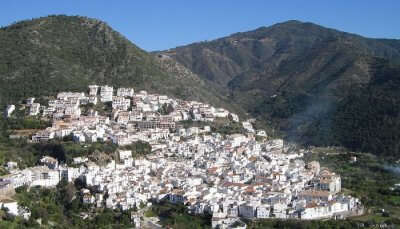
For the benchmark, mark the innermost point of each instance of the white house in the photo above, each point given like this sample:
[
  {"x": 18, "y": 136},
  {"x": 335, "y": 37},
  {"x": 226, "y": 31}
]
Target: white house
[
  {"x": 125, "y": 92},
  {"x": 234, "y": 117},
  {"x": 221, "y": 113},
  {"x": 247, "y": 210},
  {"x": 43, "y": 176},
  {"x": 43, "y": 135},
  {"x": 9, "y": 110},
  {"x": 237, "y": 139},
  {"x": 248, "y": 126},
  {"x": 263, "y": 211},
  {"x": 92, "y": 99},
  {"x": 119, "y": 102},
  {"x": 34, "y": 109},
  {"x": 93, "y": 89},
  {"x": 30, "y": 101},
  {"x": 10, "y": 205},
  {"x": 106, "y": 93},
  {"x": 124, "y": 154}
]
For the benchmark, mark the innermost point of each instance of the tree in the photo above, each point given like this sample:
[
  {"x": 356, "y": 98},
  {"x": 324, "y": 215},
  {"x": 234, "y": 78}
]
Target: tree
[{"x": 166, "y": 109}]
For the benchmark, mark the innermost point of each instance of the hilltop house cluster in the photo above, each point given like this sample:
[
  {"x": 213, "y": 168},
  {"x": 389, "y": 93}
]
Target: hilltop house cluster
[
  {"x": 229, "y": 177},
  {"x": 134, "y": 116}
]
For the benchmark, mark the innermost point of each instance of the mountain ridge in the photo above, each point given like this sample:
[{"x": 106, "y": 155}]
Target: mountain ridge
[
  {"x": 308, "y": 82},
  {"x": 292, "y": 74},
  {"x": 50, "y": 54}
]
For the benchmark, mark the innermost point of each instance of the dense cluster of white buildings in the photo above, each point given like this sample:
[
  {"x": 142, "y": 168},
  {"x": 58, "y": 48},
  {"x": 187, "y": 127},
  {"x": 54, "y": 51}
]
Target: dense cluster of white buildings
[
  {"x": 229, "y": 177},
  {"x": 135, "y": 116}
]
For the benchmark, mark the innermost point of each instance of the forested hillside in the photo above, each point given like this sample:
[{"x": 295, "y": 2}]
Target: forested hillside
[
  {"x": 57, "y": 53},
  {"x": 311, "y": 84},
  {"x": 298, "y": 77},
  {"x": 369, "y": 118}
]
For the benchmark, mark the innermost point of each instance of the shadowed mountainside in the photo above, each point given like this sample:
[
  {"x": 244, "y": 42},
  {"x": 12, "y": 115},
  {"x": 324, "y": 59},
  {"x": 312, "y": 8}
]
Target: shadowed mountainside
[
  {"x": 297, "y": 76},
  {"x": 57, "y": 53},
  {"x": 313, "y": 84}
]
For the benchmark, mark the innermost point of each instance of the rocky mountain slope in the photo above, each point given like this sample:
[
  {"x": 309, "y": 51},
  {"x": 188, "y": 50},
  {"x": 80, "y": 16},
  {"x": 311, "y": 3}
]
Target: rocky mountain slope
[
  {"x": 312, "y": 84},
  {"x": 296, "y": 76},
  {"x": 56, "y": 53}
]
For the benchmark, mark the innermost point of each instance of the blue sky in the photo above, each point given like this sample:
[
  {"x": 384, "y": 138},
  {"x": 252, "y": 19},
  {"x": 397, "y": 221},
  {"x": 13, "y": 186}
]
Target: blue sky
[{"x": 163, "y": 24}]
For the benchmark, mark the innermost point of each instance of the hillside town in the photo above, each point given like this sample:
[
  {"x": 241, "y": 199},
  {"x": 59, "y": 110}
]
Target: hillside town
[{"x": 229, "y": 176}]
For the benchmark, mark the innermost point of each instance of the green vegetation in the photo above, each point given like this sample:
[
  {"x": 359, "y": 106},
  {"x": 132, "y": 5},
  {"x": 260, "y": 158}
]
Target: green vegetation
[
  {"x": 28, "y": 154},
  {"x": 57, "y": 208},
  {"x": 370, "y": 179},
  {"x": 176, "y": 216},
  {"x": 191, "y": 123},
  {"x": 21, "y": 122},
  {"x": 138, "y": 148},
  {"x": 166, "y": 109},
  {"x": 16, "y": 150},
  {"x": 43, "y": 56},
  {"x": 296, "y": 224},
  {"x": 314, "y": 85},
  {"x": 26, "y": 123},
  {"x": 227, "y": 129},
  {"x": 150, "y": 213},
  {"x": 368, "y": 119},
  {"x": 321, "y": 87}
]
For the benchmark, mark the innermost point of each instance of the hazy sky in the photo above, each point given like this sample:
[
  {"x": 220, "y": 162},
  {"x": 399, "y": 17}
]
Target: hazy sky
[{"x": 163, "y": 24}]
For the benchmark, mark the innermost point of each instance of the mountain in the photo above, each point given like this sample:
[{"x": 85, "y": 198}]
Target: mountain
[
  {"x": 315, "y": 85},
  {"x": 57, "y": 53},
  {"x": 311, "y": 83}
]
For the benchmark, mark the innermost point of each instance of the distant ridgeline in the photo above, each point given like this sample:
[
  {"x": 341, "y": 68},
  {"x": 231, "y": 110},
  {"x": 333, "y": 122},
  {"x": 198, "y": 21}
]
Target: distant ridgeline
[
  {"x": 318, "y": 86},
  {"x": 63, "y": 53},
  {"x": 314, "y": 85}
]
